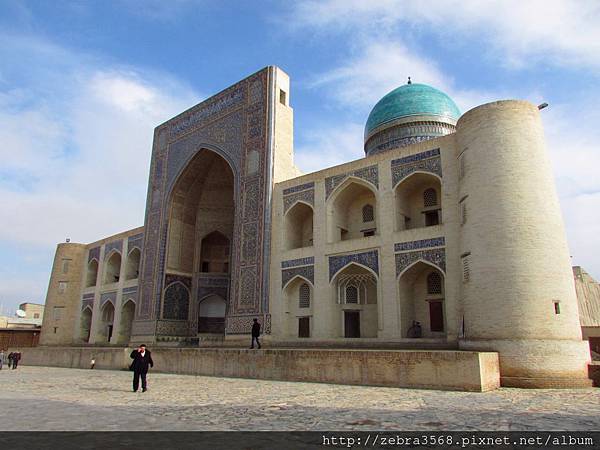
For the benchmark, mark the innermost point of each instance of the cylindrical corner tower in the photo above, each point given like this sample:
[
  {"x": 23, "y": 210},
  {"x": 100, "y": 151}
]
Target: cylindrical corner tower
[{"x": 517, "y": 289}]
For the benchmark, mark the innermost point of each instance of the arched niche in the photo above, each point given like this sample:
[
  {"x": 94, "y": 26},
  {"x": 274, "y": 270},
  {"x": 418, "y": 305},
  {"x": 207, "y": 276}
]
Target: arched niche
[
  {"x": 112, "y": 270},
  {"x": 211, "y": 315},
  {"x": 298, "y": 226},
  {"x": 85, "y": 324},
  {"x": 215, "y": 253},
  {"x": 355, "y": 293},
  {"x": 132, "y": 268},
  {"x": 298, "y": 295},
  {"x": 127, "y": 315},
  {"x": 421, "y": 295},
  {"x": 346, "y": 208},
  {"x": 91, "y": 273},
  {"x": 418, "y": 201}
]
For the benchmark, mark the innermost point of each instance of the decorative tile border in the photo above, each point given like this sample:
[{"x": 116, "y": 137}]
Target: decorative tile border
[
  {"x": 368, "y": 259},
  {"x": 301, "y": 187},
  {"x": 370, "y": 174},
  {"x": 429, "y": 161},
  {"x": 307, "y": 272},
  {"x": 211, "y": 285},
  {"x": 94, "y": 253},
  {"x": 298, "y": 262},
  {"x": 415, "y": 245},
  {"x": 114, "y": 245}
]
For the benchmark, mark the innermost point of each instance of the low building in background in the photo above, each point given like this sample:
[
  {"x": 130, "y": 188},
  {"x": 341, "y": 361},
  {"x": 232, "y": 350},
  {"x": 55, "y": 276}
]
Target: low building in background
[{"x": 22, "y": 330}]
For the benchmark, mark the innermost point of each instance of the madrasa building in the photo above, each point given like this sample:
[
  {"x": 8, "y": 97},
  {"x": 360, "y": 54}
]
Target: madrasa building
[{"x": 446, "y": 235}]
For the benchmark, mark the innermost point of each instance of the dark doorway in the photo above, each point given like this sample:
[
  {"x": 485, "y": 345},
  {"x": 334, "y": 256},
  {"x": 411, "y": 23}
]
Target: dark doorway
[
  {"x": 436, "y": 316},
  {"x": 304, "y": 327},
  {"x": 110, "y": 331},
  {"x": 352, "y": 324},
  {"x": 432, "y": 218}
]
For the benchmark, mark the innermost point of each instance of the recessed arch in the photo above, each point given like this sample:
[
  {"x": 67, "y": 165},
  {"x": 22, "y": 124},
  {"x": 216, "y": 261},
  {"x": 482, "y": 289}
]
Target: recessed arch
[
  {"x": 357, "y": 264},
  {"x": 355, "y": 292},
  {"x": 294, "y": 278},
  {"x": 85, "y": 324},
  {"x": 112, "y": 269},
  {"x": 418, "y": 201},
  {"x": 126, "y": 321},
  {"x": 297, "y": 316},
  {"x": 424, "y": 261},
  {"x": 211, "y": 314},
  {"x": 345, "y": 210},
  {"x": 132, "y": 266},
  {"x": 298, "y": 226},
  {"x": 105, "y": 324},
  {"x": 422, "y": 312},
  {"x": 416, "y": 172},
  {"x": 91, "y": 276},
  {"x": 215, "y": 253}
]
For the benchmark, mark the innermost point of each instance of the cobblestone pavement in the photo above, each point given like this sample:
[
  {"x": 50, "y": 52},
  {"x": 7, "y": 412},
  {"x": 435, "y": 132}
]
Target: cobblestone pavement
[{"x": 74, "y": 399}]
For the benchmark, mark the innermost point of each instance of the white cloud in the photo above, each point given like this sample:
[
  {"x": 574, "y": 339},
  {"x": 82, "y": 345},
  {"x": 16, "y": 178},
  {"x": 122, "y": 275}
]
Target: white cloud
[
  {"x": 329, "y": 146},
  {"x": 76, "y": 147},
  {"x": 561, "y": 32}
]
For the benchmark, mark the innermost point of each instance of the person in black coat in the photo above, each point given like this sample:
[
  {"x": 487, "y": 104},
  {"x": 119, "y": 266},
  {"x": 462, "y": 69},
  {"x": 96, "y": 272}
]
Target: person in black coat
[
  {"x": 141, "y": 360},
  {"x": 255, "y": 333}
]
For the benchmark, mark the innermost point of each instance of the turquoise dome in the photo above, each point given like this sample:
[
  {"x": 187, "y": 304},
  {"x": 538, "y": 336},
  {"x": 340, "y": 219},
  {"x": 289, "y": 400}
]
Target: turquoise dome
[{"x": 411, "y": 100}]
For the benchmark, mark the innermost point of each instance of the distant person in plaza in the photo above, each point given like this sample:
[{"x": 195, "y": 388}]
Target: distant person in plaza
[
  {"x": 10, "y": 356},
  {"x": 1, "y": 358},
  {"x": 92, "y": 363},
  {"x": 255, "y": 333},
  {"x": 141, "y": 360},
  {"x": 15, "y": 359}
]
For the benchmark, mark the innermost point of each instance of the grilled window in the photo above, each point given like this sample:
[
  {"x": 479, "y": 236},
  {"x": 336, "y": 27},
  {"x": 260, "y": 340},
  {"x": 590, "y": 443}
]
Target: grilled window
[
  {"x": 304, "y": 296},
  {"x": 351, "y": 294},
  {"x": 368, "y": 213},
  {"x": 430, "y": 197},
  {"x": 434, "y": 283}
]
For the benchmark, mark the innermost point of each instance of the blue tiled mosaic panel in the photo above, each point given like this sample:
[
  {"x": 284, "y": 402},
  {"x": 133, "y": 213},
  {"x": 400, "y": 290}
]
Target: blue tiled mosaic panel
[
  {"x": 370, "y": 174},
  {"x": 172, "y": 278},
  {"x": 87, "y": 300},
  {"x": 130, "y": 293},
  {"x": 437, "y": 257},
  {"x": 425, "y": 243},
  {"x": 115, "y": 245},
  {"x": 207, "y": 110},
  {"x": 368, "y": 259},
  {"x": 298, "y": 262},
  {"x": 307, "y": 272},
  {"x": 177, "y": 302},
  {"x": 135, "y": 241},
  {"x": 108, "y": 296},
  {"x": 301, "y": 187},
  {"x": 428, "y": 161},
  {"x": 307, "y": 196},
  {"x": 172, "y": 328},
  {"x": 94, "y": 254}
]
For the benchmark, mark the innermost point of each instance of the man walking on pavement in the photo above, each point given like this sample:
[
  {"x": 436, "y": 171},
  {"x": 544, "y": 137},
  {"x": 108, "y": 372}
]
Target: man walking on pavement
[
  {"x": 141, "y": 360},
  {"x": 255, "y": 333}
]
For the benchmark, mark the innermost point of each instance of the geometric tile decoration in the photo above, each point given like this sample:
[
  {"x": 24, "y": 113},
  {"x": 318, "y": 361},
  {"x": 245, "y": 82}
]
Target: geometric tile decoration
[
  {"x": 421, "y": 250},
  {"x": 177, "y": 301},
  {"x": 115, "y": 245},
  {"x": 368, "y": 259},
  {"x": 212, "y": 285},
  {"x": 306, "y": 272},
  {"x": 243, "y": 324},
  {"x": 370, "y": 174},
  {"x": 298, "y": 262},
  {"x": 428, "y": 161},
  {"x": 415, "y": 245}
]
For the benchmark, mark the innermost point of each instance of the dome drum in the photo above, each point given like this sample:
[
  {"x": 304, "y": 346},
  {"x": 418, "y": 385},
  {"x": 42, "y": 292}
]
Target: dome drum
[{"x": 407, "y": 134}]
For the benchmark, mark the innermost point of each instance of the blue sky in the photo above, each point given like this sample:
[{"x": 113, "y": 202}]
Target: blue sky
[{"x": 83, "y": 84}]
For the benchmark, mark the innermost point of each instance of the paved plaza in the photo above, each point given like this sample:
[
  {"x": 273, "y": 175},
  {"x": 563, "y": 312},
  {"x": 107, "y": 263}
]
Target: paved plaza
[{"x": 74, "y": 399}]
